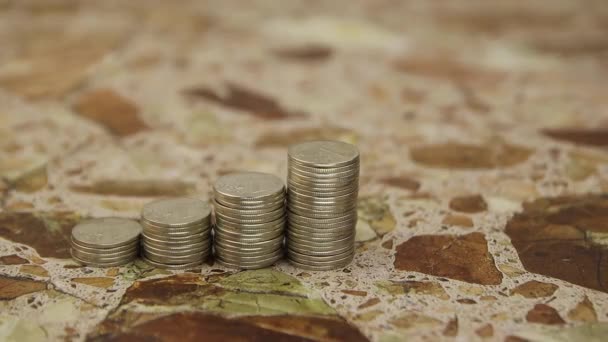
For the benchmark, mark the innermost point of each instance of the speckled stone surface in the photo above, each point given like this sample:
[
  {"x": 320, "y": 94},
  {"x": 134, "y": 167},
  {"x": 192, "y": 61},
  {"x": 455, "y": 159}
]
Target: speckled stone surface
[{"x": 483, "y": 131}]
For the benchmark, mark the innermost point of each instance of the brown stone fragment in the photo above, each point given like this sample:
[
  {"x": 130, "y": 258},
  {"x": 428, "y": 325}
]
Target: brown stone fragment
[
  {"x": 451, "y": 329},
  {"x": 544, "y": 314},
  {"x": 306, "y": 53},
  {"x": 113, "y": 111},
  {"x": 14, "y": 287},
  {"x": 355, "y": 293},
  {"x": 388, "y": 244},
  {"x": 463, "y": 156},
  {"x": 51, "y": 70},
  {"x": 136, "y": 188},
  {"x": 512, "y": 338},
  {"x": 535, "y": 289},
  {"x": 36, "y": 270},
  {"x": 591, "y": 137},
  {"x": 280, "y": 138},
  {"x": 561, "y": 237},
  {"x": 464, "y": 257},
  {"x": 198, "y": 326},
  {"x": 101, "y": 282},
  {"x": 47, "y": 232},
  {"x": 162, "y": 290},
  {"x": 458, "y": 220},
  {"x": 485, "y": 331},
  {"x": 369, "y": 303},
  {"x": 467, "y": 301},
  {"x": 410, "y": 320},
  {"x": 583, "y": 311},
  {"x": 32, "y": 181},
  {"x": 447, "y": 69},
  {"x": 469, "y": 204},
  {"x": 246, "y": 100},
  {"x": 405, "y": 183},
  {"x": 12, "y": 259}
]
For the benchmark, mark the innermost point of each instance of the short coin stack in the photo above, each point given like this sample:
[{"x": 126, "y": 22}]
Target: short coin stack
[
  {"x": 323, "y": 185},
  {"x": 105, "y": 242},
  {"x": 249, "y": 220},
  {"x": 176, "y": 232}
]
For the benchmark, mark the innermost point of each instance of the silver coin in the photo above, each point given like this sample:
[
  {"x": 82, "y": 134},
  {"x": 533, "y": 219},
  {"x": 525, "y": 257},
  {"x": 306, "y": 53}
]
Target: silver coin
[
  {"x": 303, "y": 258},
  {"x": 176, "y": 212},
  {"x": 101, "y": 260},
  {"x": 323, "y": 207},
  {"x": 111, "y": 250},
  {"x": 172, "y": 255},
  {"x": 101, "y": 264},
  {"x": 248, "y": 186},
  {"x": 85, "y": 254},
  {"x": 250, "y": 266},
  {"x": 172, "y": 267},
  {"x": 177, "y": 251},
  {"x": 171, "y": 243},
  {"x": 338, "y": 241},
  {"x": 350, "y": 216},
  {"x": 246, "y": 212},
  {"x": 172, "y": 260},
  {"x": 308, "y": 232},
  {"x": 249, "y": 246},
  {"x": 176, "y": 232},
  {"x": 249, "y": 237},
  {"x": 301, "y": 190},
  {"x": 320, "y": 181},
  {"x": 106, "y": 232},
  {"x": 251, "y": 226},
  {"x": 322, "y": 187},
  {"x": 221, "y": 251},
  {"x": 317, "y": 214},
  {"x": 323, "y": 266},
  {"x": 345, "y": 198},
  {"x": 275, "y": 215},
  {"x": 205, "y": 224},
  {"x": 323, "y": 153},
  {"x": 316, "y": 236},
  {"x": 249, "y": 258},
  {"x": 349, "y": 170},
  {"x": 176, "y": 238},
  {"x": 318, "y": 251}
]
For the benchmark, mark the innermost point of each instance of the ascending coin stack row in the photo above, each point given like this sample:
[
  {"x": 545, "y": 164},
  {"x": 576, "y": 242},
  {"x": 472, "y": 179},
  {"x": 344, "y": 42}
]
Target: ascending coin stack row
[
  {"x": 176, "y": 233},
  {"x": 323, "y": 185},
  {"x": 249, "y": 219},
  {"x": 105, "y": 242}
]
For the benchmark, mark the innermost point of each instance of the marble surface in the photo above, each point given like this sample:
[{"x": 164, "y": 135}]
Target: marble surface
[{"x": 482, "y": 126}]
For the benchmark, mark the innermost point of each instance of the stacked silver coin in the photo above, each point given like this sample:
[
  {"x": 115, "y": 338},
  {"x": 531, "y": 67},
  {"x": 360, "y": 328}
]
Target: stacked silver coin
[
  {"x": 323, "y": 185},
  {"x": 105, "y": 242},
  {"x": 249, "y": 220},
  {"x": 176, "y": 232}
]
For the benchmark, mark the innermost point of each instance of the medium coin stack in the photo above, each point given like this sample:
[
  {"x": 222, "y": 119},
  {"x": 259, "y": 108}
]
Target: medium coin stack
[
  {"x": 249, "y": 220},
  {"x": 176, "y": 232},
  {"x": 323, "y": 185},
  {"x": 105, "y": 242}
]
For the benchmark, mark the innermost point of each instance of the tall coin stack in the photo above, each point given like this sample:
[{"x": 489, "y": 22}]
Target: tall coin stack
[
  {"x": 249, "y": 220},
  {"x": 176, "y": 232},
  {"x": 105, "y": 242},
  {"x": 323, "y": 185}
]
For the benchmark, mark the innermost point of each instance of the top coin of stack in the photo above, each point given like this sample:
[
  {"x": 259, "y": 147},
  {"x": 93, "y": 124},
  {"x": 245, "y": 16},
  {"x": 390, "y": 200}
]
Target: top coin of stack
[
  {"x": 323, "y": 185},
  {"x": 105, "y": 242},
  {"x": 249, "y": 219},
  {"x": 176, "y": 232}
]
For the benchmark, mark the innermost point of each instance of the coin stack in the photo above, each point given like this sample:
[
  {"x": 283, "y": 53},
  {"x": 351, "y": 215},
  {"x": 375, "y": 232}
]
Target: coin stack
[
  {"x": 323, "y": 184},
  {"x": 249, "y": 220},
  {"x": 105, "y": 242},
  {"x": 176, "y": 232}
]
